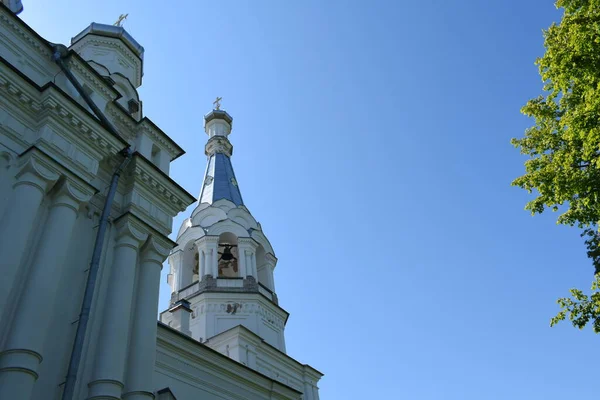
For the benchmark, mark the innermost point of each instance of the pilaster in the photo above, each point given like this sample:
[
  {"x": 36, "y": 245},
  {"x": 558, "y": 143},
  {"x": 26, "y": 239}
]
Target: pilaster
[
  {"x": 140, "y": 366},
  {"x": 34, "y": 178},
  {"x": 109, "y": 370},
  {"x": 23, "y": 349}
]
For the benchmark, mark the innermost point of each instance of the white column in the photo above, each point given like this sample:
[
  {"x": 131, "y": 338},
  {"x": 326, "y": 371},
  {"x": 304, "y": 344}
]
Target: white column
[
  {"x": 253, "y": 261},
  {"x": 203, "y": 264},
  {"x": 185, "y": 272},
  {"x": 247, "y": 250},
  {"x": 242, "y": 261},
  {"x": 108, "y": 375},
  {"x": 215, "y": 260},
  {"x": 29, "y": 329},
  {"x": 175, "y": 266},
  {"x": 249, "y": 267},
  {"x": 271, "y": 262},
  {"x": 33, "y": 180},
  {"x": 209, "y": 245},
  {"x": 142, "y": 351}
]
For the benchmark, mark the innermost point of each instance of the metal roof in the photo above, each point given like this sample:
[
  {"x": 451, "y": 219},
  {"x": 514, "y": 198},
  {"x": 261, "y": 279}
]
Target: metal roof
[{"x": 219, "y": 181}]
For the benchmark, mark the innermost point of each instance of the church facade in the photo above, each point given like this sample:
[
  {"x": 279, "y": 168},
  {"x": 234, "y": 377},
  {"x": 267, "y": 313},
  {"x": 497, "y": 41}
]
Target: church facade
[{"x": 86, "y": 210}]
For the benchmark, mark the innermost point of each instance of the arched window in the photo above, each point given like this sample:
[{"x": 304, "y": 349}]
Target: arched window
[{"x": 228, "y": 256}]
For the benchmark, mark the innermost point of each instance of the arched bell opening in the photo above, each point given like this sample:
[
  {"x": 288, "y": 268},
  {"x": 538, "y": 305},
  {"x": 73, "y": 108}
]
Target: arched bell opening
[
  {"x": 228, "y": 256},
  {"x": 189, "y": 263}
]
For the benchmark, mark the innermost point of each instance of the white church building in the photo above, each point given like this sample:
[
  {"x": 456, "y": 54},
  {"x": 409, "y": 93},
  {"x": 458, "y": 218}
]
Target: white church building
[{"x": 86, "y": 210}]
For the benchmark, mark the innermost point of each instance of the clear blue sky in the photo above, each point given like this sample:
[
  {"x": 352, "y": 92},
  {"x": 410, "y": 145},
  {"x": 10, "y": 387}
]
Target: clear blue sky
[{"x": 372, "y": 143}]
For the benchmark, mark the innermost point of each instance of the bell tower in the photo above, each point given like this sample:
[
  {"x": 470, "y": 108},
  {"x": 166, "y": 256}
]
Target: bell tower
[
  {"x": 221, "y": 274},
  {"x": 222, "y": 268}
]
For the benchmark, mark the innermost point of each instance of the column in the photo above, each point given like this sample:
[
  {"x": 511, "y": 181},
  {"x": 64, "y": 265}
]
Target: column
[
  {"x": 142, "y": 351},
  {"x": 271, "y": 262},
  {"x": 244, "y": 270},
  {"x": 247, "y": 249},
  {"x": 209, "y": 245},
  {"x": 308, "y": 393},
  {"x": 183, "y": 276},
  {"x": 253, "y": 262},
  {"x": 33, "y": 181},
  {"x": 202, "y": 262},
  {"x": 29, "y": 329},
  {"x": 111, "y": 349},
  {"x": 214, "y": 260}
]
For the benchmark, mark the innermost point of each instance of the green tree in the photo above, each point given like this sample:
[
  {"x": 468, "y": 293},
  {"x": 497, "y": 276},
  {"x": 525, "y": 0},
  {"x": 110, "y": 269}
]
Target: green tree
[{"x": 563, "y": 146}]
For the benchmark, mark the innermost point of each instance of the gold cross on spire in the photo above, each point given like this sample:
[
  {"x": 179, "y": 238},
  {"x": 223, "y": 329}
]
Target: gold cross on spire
[
  {"x": 122, "y": 18},
  {"x": 217, "y": 103}
]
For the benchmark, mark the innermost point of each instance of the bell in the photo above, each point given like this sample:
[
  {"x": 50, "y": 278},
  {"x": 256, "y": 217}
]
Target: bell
[{"x": 227, "y": 256}]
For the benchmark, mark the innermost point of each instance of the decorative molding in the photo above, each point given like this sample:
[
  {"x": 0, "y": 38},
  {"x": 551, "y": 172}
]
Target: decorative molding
[
  {"x": 88, "y": 76},
  {"x": 218, "y": 144},
  {"x": 52, "y": 104},
  {"x": 80, "y": 193},
  {"x": 155, "y": 249},
  {"x": 165, "y": 193},
  {"x": 41, "y": 167},
  {"x": 126, "y": 125},
  {"x": 244, "y": 308},
  {"x": 128, "y": 226},
  {"x": 38, "y": 45},
  {"x": 271, "y": 260},
  {"x": 248, "y": 242},
  {"x": 207, "y": 239},
  {"x": 96, "y": 40},
  {"x": 160, "y": 138},
  {"x": 174, "y": 346}
]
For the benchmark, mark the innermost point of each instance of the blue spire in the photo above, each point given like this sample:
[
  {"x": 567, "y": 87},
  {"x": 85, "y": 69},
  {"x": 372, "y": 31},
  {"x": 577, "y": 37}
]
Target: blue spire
[{"x": 219, "y": 179}]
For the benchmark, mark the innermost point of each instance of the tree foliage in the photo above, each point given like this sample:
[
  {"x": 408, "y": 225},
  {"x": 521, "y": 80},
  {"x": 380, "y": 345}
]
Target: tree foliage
[
  {"x": 581, "y": 308},
  {"x": 563, "y": 146}
]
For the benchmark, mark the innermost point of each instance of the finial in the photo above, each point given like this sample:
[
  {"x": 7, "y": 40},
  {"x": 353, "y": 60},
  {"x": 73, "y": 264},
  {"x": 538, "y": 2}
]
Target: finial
[
  {"x": 217, "y": 103},
  {"x": 122, "y": 18}
]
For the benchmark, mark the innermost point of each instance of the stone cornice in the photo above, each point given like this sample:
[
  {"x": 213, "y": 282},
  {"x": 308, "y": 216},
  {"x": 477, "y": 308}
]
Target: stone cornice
[
  {"x": 51, "y": 101},
  {"x": 26, "y": 34},
  {"x": 248, "y": 242},
  {"x": 145, "y": 126},
  {"x": 165, "y": 189},
  {"x": 43, "y": 47},
  {"x": 264, "y": 304},
  {"x": 160, "y": 137},
  {"x": 207, "y": 239}
]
